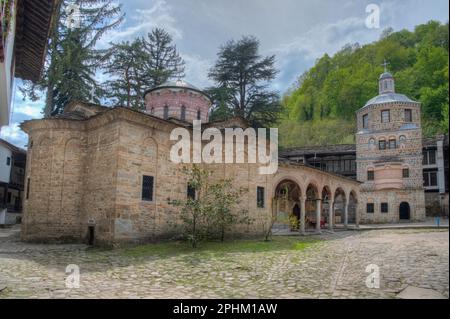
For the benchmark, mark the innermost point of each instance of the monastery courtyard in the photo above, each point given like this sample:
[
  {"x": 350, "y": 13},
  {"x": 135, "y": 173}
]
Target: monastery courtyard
[{"x": 331, "y": 265}]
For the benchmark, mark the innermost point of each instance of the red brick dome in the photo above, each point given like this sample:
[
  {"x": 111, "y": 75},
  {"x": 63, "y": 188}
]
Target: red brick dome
[{"x": 178, "y": 99}]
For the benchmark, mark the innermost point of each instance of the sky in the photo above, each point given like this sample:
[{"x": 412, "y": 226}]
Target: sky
[{"x": 297, "y": 32}]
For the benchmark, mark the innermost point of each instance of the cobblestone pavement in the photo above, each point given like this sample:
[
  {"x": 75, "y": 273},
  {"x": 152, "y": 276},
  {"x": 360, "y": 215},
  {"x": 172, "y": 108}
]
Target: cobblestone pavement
[{"x": 334, "y": 267}]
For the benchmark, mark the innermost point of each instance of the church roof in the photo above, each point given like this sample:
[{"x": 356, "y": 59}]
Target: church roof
[
  {"x": 178, "y": 84},
  {"x": 388, "y": 98},
  {"x": 386, "y": 75}
]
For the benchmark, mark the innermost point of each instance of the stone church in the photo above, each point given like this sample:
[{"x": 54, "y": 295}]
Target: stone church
[{"x": 103, "y": 174}]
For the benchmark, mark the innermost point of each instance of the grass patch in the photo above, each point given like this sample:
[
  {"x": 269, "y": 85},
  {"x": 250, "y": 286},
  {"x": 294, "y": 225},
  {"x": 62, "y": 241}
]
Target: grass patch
[{"x": 218, "y": 248}]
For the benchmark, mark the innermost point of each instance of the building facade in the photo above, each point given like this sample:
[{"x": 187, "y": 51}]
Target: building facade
[
  {"x": 12, "y": 172},
  {"x": 104, "y": 175},
  {"x": 389, "y": 156}
]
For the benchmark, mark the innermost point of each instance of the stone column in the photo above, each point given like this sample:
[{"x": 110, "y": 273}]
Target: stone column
[
  {"x": 347, "y": 202},
  {"x": 318, "y": 214},
  {"x": 331, "y": 215},
  {"x": 357, "y": 215},
  {"x": 302, "y": 215},
  {"x": 440, "y": 164}
]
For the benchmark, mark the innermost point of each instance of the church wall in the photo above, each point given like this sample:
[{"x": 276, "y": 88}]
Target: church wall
[
  {"x": 415, "y": 199},
  {"x": 146, "y": 151},
  {"x": 99, "y": 187},
  {"x": 55, "y": 172}
]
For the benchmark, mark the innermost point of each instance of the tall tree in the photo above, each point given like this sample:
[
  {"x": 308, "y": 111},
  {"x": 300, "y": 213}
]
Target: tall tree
[
  {"x": 242, "y": 77},
  {"x": 125, "y": 67},
  {"x": 73, "y": 59},
  {"x": 164, "y": 62}
]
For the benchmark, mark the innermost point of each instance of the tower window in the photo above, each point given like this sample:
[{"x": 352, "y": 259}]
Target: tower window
[
  {"x": 147, "y": 188},
  {"x": 365, "y": 120},
  {"x": 8, "y": 161},
  {"x": 385, "y": 116},
  {"x": 382, "y": 144},
  {"x": 166, "y": 112},
  {"x": 183, "y": 113},
  {"x": 392, "y": 143},
  {"x": 405, "y": 172},
  {"x": 408, "y": 115},
  {"x": 370, "y": 175}
]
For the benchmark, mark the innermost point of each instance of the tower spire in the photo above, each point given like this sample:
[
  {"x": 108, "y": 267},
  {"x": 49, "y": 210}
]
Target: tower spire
[
  {"x": 385, "y": 64},
  {"x": 386, "y": 82}
]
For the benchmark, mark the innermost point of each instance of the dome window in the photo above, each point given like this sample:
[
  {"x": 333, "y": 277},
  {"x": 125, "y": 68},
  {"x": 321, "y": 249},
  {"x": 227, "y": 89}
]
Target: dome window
[{"x": 183, "y": 113}]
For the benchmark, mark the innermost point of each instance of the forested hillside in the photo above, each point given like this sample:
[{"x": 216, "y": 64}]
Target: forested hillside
[{"x": 320, "y": 108}]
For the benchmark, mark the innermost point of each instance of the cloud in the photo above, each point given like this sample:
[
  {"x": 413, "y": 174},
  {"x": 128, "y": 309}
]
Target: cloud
[
  {"x": 197, "y": 70},
  {"x": 142, "y": 21},
  {"x": 21, "y": 111},
  {"x": 296, "y": 56},
  {"x": 14, "y": 135}
]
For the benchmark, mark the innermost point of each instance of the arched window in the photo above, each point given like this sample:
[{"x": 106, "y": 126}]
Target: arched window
[
  {"x": 199, "y": 115},
  {"x": 370, "y": 174},
  {"x": 382, "y": 144},
  {"x": 166, "y": 112},
  {"x": 183, "y": 113},
  {"x": 392, "y": 143}
]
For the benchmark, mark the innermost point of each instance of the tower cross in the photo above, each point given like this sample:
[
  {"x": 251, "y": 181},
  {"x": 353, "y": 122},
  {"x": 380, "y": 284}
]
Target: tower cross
[{"x": 385, "y": 64}]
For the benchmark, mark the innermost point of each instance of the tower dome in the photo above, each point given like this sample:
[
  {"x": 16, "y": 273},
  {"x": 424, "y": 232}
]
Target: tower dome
[
  {"x": 386, "y": 83},
  {"x": 178, "y": 99}
]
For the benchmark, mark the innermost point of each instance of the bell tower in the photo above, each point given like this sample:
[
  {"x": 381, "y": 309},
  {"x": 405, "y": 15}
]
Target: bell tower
[{"x": 386, "y": 83}]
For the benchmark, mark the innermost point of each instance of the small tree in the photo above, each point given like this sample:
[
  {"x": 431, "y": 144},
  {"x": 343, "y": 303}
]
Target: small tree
[
  {"x": 224, "y": 198},
  {"x": 212, "y": 207},
  {"x": 194, "y": 209}
]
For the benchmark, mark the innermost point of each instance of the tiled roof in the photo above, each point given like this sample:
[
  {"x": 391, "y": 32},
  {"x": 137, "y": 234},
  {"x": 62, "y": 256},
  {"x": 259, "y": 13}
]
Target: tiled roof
[
  {"x": 12, "y": 147},
  {"x": 326, "y": 149},
  {"x": 34, "y": 24},
  {"x": 388, "y": 98}
]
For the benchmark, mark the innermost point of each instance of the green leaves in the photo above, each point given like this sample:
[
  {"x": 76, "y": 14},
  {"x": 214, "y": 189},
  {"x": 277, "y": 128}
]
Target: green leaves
[
  {"x": 242, "y": 77},
  {"x": 338, "y": 86},
  {"x": 213, "y": 210}
]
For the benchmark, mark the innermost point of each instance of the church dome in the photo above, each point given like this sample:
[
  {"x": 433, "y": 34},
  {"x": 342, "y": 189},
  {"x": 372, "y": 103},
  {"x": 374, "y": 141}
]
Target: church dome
[
  {"x": 386, "y": 75},
  {"x": 386, "y": 89},
  {"x": 389, "y": 98},
  {"x": 178, "y": 100}
]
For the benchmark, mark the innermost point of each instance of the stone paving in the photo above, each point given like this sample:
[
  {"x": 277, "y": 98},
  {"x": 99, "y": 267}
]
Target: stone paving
[{"x": 334, "y": 267}]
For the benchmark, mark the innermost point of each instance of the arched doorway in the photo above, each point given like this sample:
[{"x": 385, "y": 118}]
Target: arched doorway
[
  {"x": 404, "y": 211},
  {"x": 312, "y": 196},
  {"x": 352, "y": 207},
  {"x": 286, "y": 206},
  {"x": 327, "y": 201},
  {"x": 296, "y": 217},
  {"x": 340, "y": 201}
]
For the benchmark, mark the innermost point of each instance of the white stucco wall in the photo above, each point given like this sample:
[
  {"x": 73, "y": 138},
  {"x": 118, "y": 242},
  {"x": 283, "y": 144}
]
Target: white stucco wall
[{"x": 5, "y": 170}]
